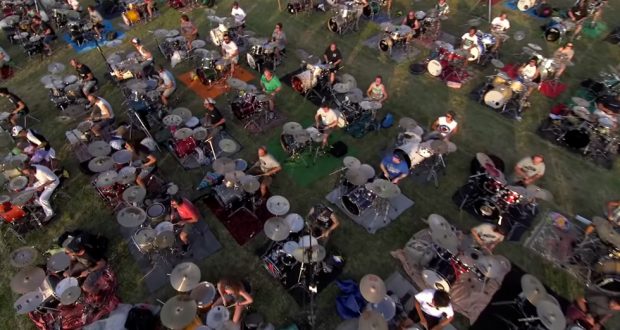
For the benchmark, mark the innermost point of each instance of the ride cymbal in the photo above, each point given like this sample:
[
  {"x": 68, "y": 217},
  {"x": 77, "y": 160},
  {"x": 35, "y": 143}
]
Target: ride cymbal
[
  {"x": 532, "y": 288},
  {"x": 23, "y": 257},
  {"x": 178, "y": 312},
  {"x": 185, "y": 276},
  {"x": 276, "y": 229},
  {"x": 278, "y": 205},
  {"x": 28, "y": 279},
  {"x": 372, "y": 288}
]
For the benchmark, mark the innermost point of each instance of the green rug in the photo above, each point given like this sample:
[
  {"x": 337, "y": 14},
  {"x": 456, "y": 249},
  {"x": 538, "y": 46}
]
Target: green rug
[{"x": 594, "y": 32}]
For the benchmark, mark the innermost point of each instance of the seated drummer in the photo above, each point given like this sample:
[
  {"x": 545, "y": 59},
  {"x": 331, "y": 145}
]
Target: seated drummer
[
  {"x": 578, "y": 14},
  {"x": 488, "y": 236},
  {"x": 562, "y": 57},
  {"x": 433, "y": 310},
  {"x": 376, "y": 91},
  {"x": 45, "y": 31},
  {"x": 333, "y": 57},
  {"x": 592, "y": 310},
  {"x": 96, "y": 20},
  {"x": 83, "y": 260},
  {"x": 131, "y": 15},
  {"x": 529, "y": 170},
  {"x": 469, "y": 41},
  {"x": 143, "y": 159},
  {"x": 412, "y": 21},
  {"x": 102, "y": 114},
  {"x": 444, "y": 127},
  {"x": 167, "y": 84},
  {"x": 607, "y": 109},
  {"x": 279, "y": 37},
  {"x": 183, "y": 212},
  {"x": 499, "y": 28},
  {"x": 529, "y": 74},
  {"x": 271, "y": 85},
  {"x": 326, "y": 121},
  {"x": 39, "y": 146},
  {"x": 88, "y": 81},
  {"x": 145, "y": 54},
  {"x": 213, "y": 121},
  {"x": 442, "y": 8},
  {"x": 19, "y": 107},
  {"x": 265, "y": 168},
  {"x": 233, "y": 293},
  {"x": 394, "y": 168},
  {"x": 612, "y": 214},
  {"x": 324, "y": 221}
]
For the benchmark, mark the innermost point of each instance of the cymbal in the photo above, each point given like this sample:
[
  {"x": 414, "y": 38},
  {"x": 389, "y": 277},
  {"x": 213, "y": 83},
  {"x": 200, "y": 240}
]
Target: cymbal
[
  {"x": 234, "y": 176},
  {"x": 407, "y": 123},
  {"x": 131, "y": 217},
  {"x": 70, "y": 295},
  {"x": 183, "y": 133},
  {"x": 184, "y": 113},
  {"x": 551, "y": 315},
  {"x": 368, "y": 171},
  {"x": 519, "y": 35},
  {"x": 370, "y": 105},
  {"x": 439, "y": 146},
  {"x": 437, "y": 223},
  {"x": 489, "y": 266},
  {"x": 58, "y": 262},
  {"x": 215, "y": 19},
  {"x": 581, "y": 112},
  {"x": 351, "y": 162},
  {"x": 99, "y": 148},
  {"x": 451, "y": 147},
  {"x": 356, "y": 177},
  {"x": 276, "y": 229},
  {"x": 24, "y": 256},
  {"x": 446, "y": 239},
  {"x": 404, "y": 29},
  {"x": 160, "y": 33},
  {"x": 497, "y": 63},
  {"x": 522, "y": 191},
  {"x": 203, "y": 293},
  {"x": 22, "y": 198},
  {"x": 70, "y": 79},
  {"x": 49, "y": 79},
  {"x": 473, "y": 22},
  {"x": 200, "y": 133},
  {"x": 28, "y": 279},
  {"x": 172, "y": 189},
  {"x": 348, "y": 79},
  {"x": 134, "y": 195},
  {"x": 534, "y": 191},
  {"x": 56, "y": 67},
  {"x": 278, "y": 205},
  {"x": 106, "y": 179},
  {"x": 165, "y": 239},
  {"x": 145, "y": 236},
  {"x": 4, "y": 198},
  {"x": 172, "y": 33},
  {"x": 580, "y": 102},
  {"x": 228, "y": 146},
  {"x": 534, "y": 46},
  {"x": 126, "y": 175},
  {"x": 217, "y": 316},
  {"x": 18, "y": 183},
  {"x": 341, "y": 88},
  {"x": 355, "y": 97},
  {"x": 137, "y": 85},
  {"x": 100, "y": 164},
  {"x": 302, "y": 137},
  {"x": 249, "y": 184},
  {"x": 28, "y": 302},
  {"x": 257, "y": 41},
  {"x": 185, "y": 276},
  {"x": 236, "y": 83},
  {"x": 178, "y": 312},
  {"x": 383, "y": 188},
  {"x": 487, "y": 163},
  {"x": 528, "y": 51},
  {"x": 606, "y": 231},
  {"x": 198, "y": 43},
  {"x": 292, "y": 128},
  {"x": 372, "y": 288},
  {"x": 387, "y": 26},
  {"x": 230, "y": 22},
  {"x": 371, "y": 320},
  {"x": 532, "y": 288},
  {"x": 223, "y": 165},
  {"x": 313, "y": 254},
  {"x": 172, "y": 120}
]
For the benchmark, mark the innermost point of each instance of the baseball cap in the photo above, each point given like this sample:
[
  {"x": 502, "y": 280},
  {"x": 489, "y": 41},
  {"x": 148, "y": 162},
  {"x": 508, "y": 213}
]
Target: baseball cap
[
  {"x": 209, "y": 100},
  {"x": 135, "y": 41},
  {"x": 16, "y": 129}
]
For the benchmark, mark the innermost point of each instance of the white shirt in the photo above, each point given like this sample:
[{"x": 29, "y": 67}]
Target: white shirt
[
  {"x": 469, "y": 40},
  {"x": 33, "y": 138},
  {"x": 75, "y": 4},
  {"x": 229, "y": 49},
  {"x": 503, "y": 24},
  {"x": 529, "y": 71},
  {"x": 238, "y": 14},
  {"x": 167, "y": 78},
  {"x": 444, "y": 127},
  {"x": 487, "y": 233},
  {"x": 327, "y": 118},
  {"x": 44, "y": 175},
  {"x": 268, "y": 163},
  {"x": 100, "y": 103},
  {"x": 425, "y": 299}
]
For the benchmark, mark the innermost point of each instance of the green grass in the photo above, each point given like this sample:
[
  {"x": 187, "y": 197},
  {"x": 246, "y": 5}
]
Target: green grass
[{"x": 579, "y": 187}]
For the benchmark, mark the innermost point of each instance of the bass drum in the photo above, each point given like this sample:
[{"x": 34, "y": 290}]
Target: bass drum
[
  {"x": 358, "y": 200},
  {"x": 497, "y": 97},
  {"x": 555, "y": 32},
  {"x": 436, "y": 67},
  {"x": 386, "y": 44},
  {"x": 254, "y": 61},
  {"x": 373, "y": 8},
  {"x": 414, "y": 152},
  {"x": 577, "y": 139},
  {"x": 487, "y": 209},
  {"x": 303, "y": 82},
  {"x": 474, "y": 54},
  {"x": 439, "y": 274},
  {"x": 524, "y": 5},
  {"x": 334, "y": 23},
  {"x": 606, "y": 277}
]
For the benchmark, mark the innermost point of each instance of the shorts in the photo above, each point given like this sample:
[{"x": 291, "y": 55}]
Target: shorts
[
  {"x": 264, "y": 180},
  {"x": 168, "y": 91},
  {"x": 104, "y": 123},
  {"x": 187, "y": 227},
  {"x": 146, "y": 171},
  {"x": 87, "y": 86}
]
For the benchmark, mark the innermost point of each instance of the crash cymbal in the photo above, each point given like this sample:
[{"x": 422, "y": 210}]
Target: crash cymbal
[
  {"x": 311, "y": 254},
  {"x": 28, "y": 279},
  {"x": 580, "y": 102},
  {"x": 341, "y": 88},
  {"x": 131, "y": 217},
  {"x": 183, "y": 133},
  {"x": 438, "y": 223},
  {"x": 4, "y": 198},
  {"x": 122, "y": 157},
  {"x": 134, "y": 195},
  {"x": 532, "y": 288},
  {"x": 236, "y": 83},
  {"x": 106, "y": 179},
  {"x": 23, "y": 198},
  {"x": 217, "y": 316},
  {"x": 606, "y": 231},
  {"x": 70, "y": 295},
  {"x": 228, "y": 146},
  {"x": 439, "y": 147},
  {"x": 58, "y": 262},
  {"x": 276, "y": 229},
  {"x": 351, "y": 162},
  {"x": 489, "y": 266},
  {"x": 292, "y": 128},
  {"x": 223, "y": 165},
  {"x": 372, "y": 288},
  {"x": 178, "y": 312},
  {"x": 172, "y": 33},
  {"x": 519, "y": 35},
  {"x": 302, "y": 137},
  {"x": 99, "y": 148},
  {"x": 234, "y": 176},
  {"x": 356, "y": 177},
  {"x": 497, "y": 63},
  {"x": 137, "y": 85},
  {"x": 370, "y": 105},
  {"x": 534, "y": 46},
  {"x": 278, "y": 205},
  {"x": 446, "y": 239},
  {"x": 200, "y": 133},
  {"x": 184, "y": 113},
  {"x": 368, "y": 171},
  {"x": 383, "y": 188},
  {"x": 230, "y": 23},
  {"x": 24, "y": 256},
  {"x": 70, "y": 79},
  {"x": 165, "y": 239},
  {"x": 185, "y": 276},
  {"x": 371, "y": 320},
  {"x": 249, "y": 184},
  {"x": 355, "y": 97},
  {"x": 201, "y": 52},
  {"x": 18, "y": 183},
  {"x": 28, "y": 302},
  {"x": 126, "y": 175},
  {"x": 551, "y": 315},
  {"x": 487, "y": 163},
  {"x": 100, "y": 164},
  {"x": 172, "y": 120},
  {"x": 407, "y": 123},
  {"x": 534, "y": 191},
  {"x": 49, "y": 79},
  {"x": 160, "y": 33},
  {"x": 56, "y": 67}
]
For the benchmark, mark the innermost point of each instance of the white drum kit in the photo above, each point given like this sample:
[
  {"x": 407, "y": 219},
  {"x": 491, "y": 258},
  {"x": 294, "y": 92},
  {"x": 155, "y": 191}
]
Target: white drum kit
[
  {"x": 345, "y": 17},
  {"x": 309, "y": 78},
  {"x": 393, "y": 36}
]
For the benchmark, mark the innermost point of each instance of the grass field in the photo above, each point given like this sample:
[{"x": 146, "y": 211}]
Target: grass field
[{"x": 579, "y": 187}]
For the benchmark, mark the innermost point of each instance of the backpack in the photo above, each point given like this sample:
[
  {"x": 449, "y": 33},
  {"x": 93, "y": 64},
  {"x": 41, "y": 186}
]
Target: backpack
[{"x": 387, "y": 121}]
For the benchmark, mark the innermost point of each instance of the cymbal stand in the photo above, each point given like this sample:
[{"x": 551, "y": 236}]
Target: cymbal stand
[
  {"x": 135, "y": 118},
  {"x": 307, "y": 284},
  {"x": 210, "y": 142},
  {"x": 382, "y": 206},
  {"x": 432, "y": 172},
  {"x": 471, "y": 180}
]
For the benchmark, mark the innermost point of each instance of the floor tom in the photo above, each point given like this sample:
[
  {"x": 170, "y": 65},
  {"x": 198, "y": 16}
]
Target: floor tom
[{"x": 358, "y": 200}]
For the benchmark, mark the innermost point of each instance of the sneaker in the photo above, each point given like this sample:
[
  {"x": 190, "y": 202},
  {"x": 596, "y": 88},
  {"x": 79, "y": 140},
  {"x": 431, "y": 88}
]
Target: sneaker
[{"x": 518, "y": 118}]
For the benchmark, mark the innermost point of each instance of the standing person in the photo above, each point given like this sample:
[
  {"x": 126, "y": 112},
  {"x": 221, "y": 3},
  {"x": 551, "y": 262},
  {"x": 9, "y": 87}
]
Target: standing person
[
  {"x": 562, "y": 57},
  {"x": 271, "y": 86},
  {"x": 433, "y": 309},
  {"x": 230, "y": 52},
  {"x": 150, "y": 8},
  {"x": 265, "y": 168},
  {"x": 412, "y": 22},
  {"x": 394, "y": 169},
  {"x": 376, "y": 91},
  {"x": 45, "y": 182},
  {"x": 214, "y": 121},
  {"x": 333, "y": 57},
  {"x": 578, "y": 14},
  {"x": 188, "y": 30},
  {"x": 19, "y": 107},
  {"x": 233, "y": 293},
  {"x": 326, "y": 121},
  {"x": 102, "y": 114},
  {"x": 167, "y": 84},
  {"x": 96, "y": 20},
  {"x": 183, "y": 212},
  {"x": 87, "y": 78},
  {"x": 499, "y": 27},
  {"x": 529, "y": 170},
  {"x": 279, "y": 38}
]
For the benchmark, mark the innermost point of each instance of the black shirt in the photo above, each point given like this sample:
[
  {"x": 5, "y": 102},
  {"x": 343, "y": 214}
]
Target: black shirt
[
  {"x": 14, "y": 99},
  {"x": 410, "y": 22},
  {"x": 333, "y": 56},
  {"x": 83, "y": 71},
  {"x": 215, "y": 116},
  {"x": 580, "y": 11},
  {"x": 43, "y": 27}
]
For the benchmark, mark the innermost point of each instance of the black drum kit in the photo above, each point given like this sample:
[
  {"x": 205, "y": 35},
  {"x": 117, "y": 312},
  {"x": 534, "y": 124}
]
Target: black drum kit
[
  {"x": 211, "y": 68},
  {"x": 558, "y": 29},
  {"x": 225, "y": 26},
  {"x": 297, "y": 6},
  {"x": 262, "y": 54},
  {"x": 171, "y": 44},
  {"x": 346, "y": 17},
  {"x": 64, "y": 91},
  {"x": 250, "y": 106}
]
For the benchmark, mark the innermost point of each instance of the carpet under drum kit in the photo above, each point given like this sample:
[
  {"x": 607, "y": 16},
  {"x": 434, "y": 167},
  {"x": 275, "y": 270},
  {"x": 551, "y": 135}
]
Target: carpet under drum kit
[{"x": 250, "y": 106}]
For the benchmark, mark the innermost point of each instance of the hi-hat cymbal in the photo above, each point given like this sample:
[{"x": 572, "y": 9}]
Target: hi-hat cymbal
[
  {"x": 407, "y": 123},
  {"x": 28, "y": 279},
  {"x": 371, "y": 320},
  {"x": 551, "y": 315},
  {"x": 23, "y": 198},
  {"x": 497, "y": 63},
  {"x": 183, "y": 133},
  {"x": 534, "y": 46},
  {"x": 278, "y": 205},
  {"x": 70, "y": 295},
  {"x": 311, "y": 254},
  {"x": 276, "y": 229},
  {"x": 131, "y": 217},
  {"x": 383, "y": 188},
  {"x": 437, "y": 222},
  {"x": 100, "y": 164},
  {"x": 234, "y": 176},
  {"x": 223, "y": 165},
  {"x": 372, "y": 288},
  {"x": 134, "y": 195},
  {"x": 28, "y": 302},
  {"x": 185, "y": 276},
  {"x": 446, "y": 239},
  {"x": 58, "y": 262},
  {"x": 351, "y": 162},
  {"x": 534, "y": 191},
  {"x": 532, "y": 288},
  {"x": 580, "y": 101},
  {"x": 184, "y": 113},
  {"x": 137, "y": 85},
  {"x": 341, "y": 88},
  {"x": 172, "y": 120},
  {"x": 165, "y": 239},
  {"x": 354, "y": 97},
  {"x": 249, "y": 184},
  {"x": 356, "y": 177},
  {"x": 519, "y": 35},
  {"x": 236, "y": 83},
  {"x": 99, "y": 148},
  {"x": 370, "y": 105},
  {"x": 24, "y": 256},
  {"x": 490, "y": 267},
  {"x": 228, "y": 146},
  {"x": 178, "y": 312},
  {"x": 106, "y": 179},
  {"x": 439, "y": 147},
  {"x": 368, "y": 171},
  {"x": 56, "y": 67},
  {"x": 606, "y": 231},
  {"x": 18, "y": 183},
  {"x": 292, "y": 128}
]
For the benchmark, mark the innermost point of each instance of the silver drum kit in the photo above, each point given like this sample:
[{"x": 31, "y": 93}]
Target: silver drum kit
[
  {"x": 345, "y": 17},
  {"x": 393, "y": 36},
  {"x": 262, "y": 52},
  {"x": 172, "y": 44},
  {"x": 308, "y": 79},
  {"x": 558, "y": 29}
]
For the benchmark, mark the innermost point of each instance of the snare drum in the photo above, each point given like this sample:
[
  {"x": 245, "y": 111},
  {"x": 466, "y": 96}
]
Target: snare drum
[
  {"x": 358, "y": 200},
  {"x": 517, "y": 86},
  {"x": 440, "y": 274},
  {"x": 156, "y": 212},
  {"x": 65, "y": 284},
  {"x": 501, "y": 79}
]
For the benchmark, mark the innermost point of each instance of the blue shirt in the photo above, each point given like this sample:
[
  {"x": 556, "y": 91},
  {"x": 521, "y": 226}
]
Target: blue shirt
[{"x": 393, "y": 169}]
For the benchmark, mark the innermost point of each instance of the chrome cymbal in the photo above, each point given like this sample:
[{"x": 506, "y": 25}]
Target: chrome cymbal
[
  {"x": 438, "y": 223},
  {"x": 172, "y": 33},
  {"x": 249, "y": 184},
  {"x": 160, "y": 33},
  {"x": 28, "y": 279},
  {"x": 178, "y": 312},
  {"x": 532, "y": 288},
  {"x": 371, "y": 320},
  {"x": 134, "y": 195},
  {"x": 228, "y": 146},
  {"x": 341, "y": 88},
  {"x": 292, "y": 128},
  {"x": 234, "y": 176},
  {"x": 351, "y": 162},
  {"x": 185, "y": 276},
  {"x": 356, "y": 177},
  {"x": 100, "y": 164},
  {"x": 200, "y": 133},
  {"x": 28, "y": 302},
  {"x": 18, "y": 183},
  {"x": 278, "y": 205},
  {"x": 198, "y": 43},
  {"x": 23, "y": 198},
  {"x": 383, "y": 188},
  {"x": 126, "y": 175},
  {"x": 497, "y": 63},
  {"x": 165, "y": 239},
  {"x": 407, "y": 123},
  {"x": 313, "y": 254},
  {"x": 55, "y": 67},
  {"x": 23, "y": 257},
  {"x": 223, "y": 165},
  {"x": 370, "y": 105},
  {"x": 184, "y": 113},
  {"x": 534, "y": 191},
  {"x": 606, "y": 231},
  {"x": 276, "y": 229},
  {"x": 236, "y": 83},
  {"x": 446, "y": 239},
  {"x": 368, "y": 171},
  {"x": 172, "y": 120},
  {"x": 551, "y": 315},
  {"x": 534, "y": 46},
  {"x": 183, "y": 133},
  {"x": 439, "y": 147},
  {"x": 355, "y": 95},
  {"x": 137, "y": 85},
  {"x": 131, "y": 217},
  {"x": 70, "y": 295},
  {"x": 106, "y": 179},
  {"x": 490, "y": 267},
  {"x": 99, "y": 148},
  {"x": 58, "y": 262},
  {"x": 372, "y": 288}
]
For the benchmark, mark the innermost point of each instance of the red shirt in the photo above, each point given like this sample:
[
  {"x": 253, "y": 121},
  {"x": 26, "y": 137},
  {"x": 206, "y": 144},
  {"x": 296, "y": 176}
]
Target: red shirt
[{"x": 187, "y": 211}]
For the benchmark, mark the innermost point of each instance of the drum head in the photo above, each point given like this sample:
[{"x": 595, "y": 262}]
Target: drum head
[
  {"x": 434, "y": 67},
  {"x": 553, "y": 34},
  {"x": 577, "y": 139},
  {"x": 495, "y": 99}
]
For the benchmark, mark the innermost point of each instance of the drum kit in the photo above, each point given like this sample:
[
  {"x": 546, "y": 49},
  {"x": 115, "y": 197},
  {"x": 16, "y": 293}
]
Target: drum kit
[
  {"x": 346, "y": 17},
  {"x": 368, "y": 198},
  {"x": 63, "y": 91},
  {"x": 502, "y": 90},
  {"x": 236, "y": 188},
  {"x": 297, "y": 6},
  {"x": 262, "y": 54},
  {"x": 558, "y": 29}
]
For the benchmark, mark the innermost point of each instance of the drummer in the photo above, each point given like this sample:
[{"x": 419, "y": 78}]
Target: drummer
[
  {"x": 233, "y": 293},
  {"x": 44, "y": 181},
  {"x": 433, "y": 309},
  {"x": 444, "y": 127},
  {"x": 612, "y": 215},
  {"x": 146, "y": 56},
  {"x": 592, "y": 310},
  {"x": 442, "y": 8},
  {"x": 529, "y": 74},
  {"x": 562, "y": 57},
  {"x": 412, "y": 22},
  {"x": 607, "y": 108},
  {"x": 20, "y": 109},
  {"x": 469, "y": 41},
  {"x": 102, "y": 114},
  {"x": 324, "y": 221},
  {"x": 529, "y": 170},
  {"x": 45, "y": 31},
  {"x": 488, "y": 236},
  {"x": 167, "y": 84},
  {"x": 326, "y": 121},
  {"x": 183, "y": 212},
  {"x": 499, "y": 27},
  {"x": 96, "y": 20},
  {"x": 271, "y": 86},
  {"x": 188, "y": 30},
  {"x": 84, "y": 260},
  {"x": 142, "y": 157},
  {"x": 333, "y": 57},
  {"x": 578, "y": 14},
  {"x": 213, "y": 121},
  {"x": 376, "y": 91},
  {"x": 265, "y": 168},
  {"x": 279, "y": 38},
  {"x": 239, "y": 15},
  {"x": 42, "y": 149},
  {"x": 394, "y": 168},
  {"x": 87, "y": 78},
  {"x": 230, "y": 52}
]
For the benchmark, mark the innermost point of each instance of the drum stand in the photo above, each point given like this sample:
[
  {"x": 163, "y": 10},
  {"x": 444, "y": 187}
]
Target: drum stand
[
  {"x": 306, "y": 283},
  {"x": 471, "y": 193},
  {"x": 134, "y": 117},
  {"x": 438, "y": 162}
]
